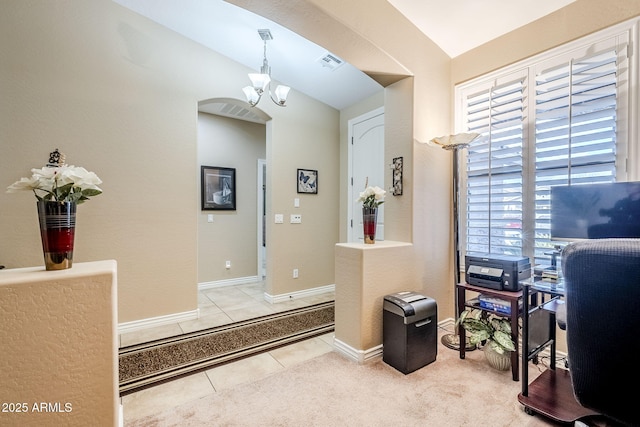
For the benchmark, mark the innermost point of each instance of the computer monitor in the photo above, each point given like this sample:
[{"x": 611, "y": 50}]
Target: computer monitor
[{"x": 595, "y": 211}]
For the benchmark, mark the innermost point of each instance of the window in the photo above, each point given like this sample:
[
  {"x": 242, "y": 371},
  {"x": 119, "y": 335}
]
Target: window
[{"x": 558, "y": 118}]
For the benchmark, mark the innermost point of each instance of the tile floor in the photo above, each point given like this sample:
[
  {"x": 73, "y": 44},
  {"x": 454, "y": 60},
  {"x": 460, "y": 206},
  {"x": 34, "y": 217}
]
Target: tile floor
[
  {"x": 168, "y": 395},
  {"x": 220, "y": 306},
  {"x": 177, "y": 392}
]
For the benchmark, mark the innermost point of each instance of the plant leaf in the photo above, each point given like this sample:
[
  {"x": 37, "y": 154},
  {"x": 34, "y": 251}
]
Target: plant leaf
[
  {"x": 479, "y": 336},
  {"x": 504, "y": 340},
  {"x": 474, "y": 325},
  {"x": 90, "y": 192}
]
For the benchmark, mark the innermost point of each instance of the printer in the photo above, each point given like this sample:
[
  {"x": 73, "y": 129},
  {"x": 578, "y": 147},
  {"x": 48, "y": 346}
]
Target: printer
[{"x": 500, "y": 272}]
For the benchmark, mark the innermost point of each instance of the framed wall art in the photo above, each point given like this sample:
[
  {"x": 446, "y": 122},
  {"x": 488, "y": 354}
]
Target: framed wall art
[
  {"x": 397, "y": 176},
  {"x": 307, "y": 181},
  {"x": 218, "y": 188}
]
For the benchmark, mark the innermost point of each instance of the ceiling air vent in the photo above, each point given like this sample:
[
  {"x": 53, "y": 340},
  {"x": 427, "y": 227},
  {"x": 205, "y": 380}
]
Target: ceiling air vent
[
  {"x": 232, "y": 108},
  {"x": 265, "y": 34},
  {"x": 330, "y": 61}
]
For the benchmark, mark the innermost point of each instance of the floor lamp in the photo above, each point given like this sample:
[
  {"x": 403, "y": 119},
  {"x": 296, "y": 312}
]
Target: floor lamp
[{"x": 455, "y": 143}]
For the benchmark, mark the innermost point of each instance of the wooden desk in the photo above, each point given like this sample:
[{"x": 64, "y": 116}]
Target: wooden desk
[{"x": 513, "y": 297}]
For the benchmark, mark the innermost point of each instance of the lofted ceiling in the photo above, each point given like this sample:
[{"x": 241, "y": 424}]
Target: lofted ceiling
[
  {"x": 305, "y": 66},
  {"x": 458, "y": 26}
]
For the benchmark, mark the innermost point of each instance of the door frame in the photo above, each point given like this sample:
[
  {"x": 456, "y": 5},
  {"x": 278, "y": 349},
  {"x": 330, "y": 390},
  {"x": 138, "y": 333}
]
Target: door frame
[{"x": 261, "y": 217}]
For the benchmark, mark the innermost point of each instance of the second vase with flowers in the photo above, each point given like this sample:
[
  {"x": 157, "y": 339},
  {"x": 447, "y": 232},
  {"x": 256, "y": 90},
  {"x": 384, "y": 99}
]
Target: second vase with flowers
[{"x": 371, "y": 198}]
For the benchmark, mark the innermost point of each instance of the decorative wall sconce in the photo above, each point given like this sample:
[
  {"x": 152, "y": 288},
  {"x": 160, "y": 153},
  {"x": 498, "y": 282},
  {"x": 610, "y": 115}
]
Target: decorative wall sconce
[{"x": 396, "y": 177}]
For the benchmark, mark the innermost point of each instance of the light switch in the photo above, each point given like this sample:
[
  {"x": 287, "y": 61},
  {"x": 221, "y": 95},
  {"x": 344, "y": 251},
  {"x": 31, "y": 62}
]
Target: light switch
[
  {"x": 279, "y": 218},
  {"x": 210, "y": 218},
  {"x": 296, "y": 202}
]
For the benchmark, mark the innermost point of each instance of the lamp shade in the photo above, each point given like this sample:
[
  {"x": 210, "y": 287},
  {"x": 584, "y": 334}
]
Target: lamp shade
[
  {"x": 259, "y": 81},
  {"x": 251, "y": 95},
  {"x": 281, "y": 93},
  {"x": 449, "y": 142}
]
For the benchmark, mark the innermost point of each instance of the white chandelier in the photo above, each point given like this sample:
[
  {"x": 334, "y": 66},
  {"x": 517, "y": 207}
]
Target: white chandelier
[{"x": 261, "y": 82}]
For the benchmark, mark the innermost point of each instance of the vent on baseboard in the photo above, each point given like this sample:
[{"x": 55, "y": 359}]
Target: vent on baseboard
[{"x": 330, "y": 61}]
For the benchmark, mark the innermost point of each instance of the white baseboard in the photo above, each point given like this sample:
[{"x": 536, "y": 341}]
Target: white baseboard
[
  {"x": 363, "y": 356},
  {"x": 151, "y": 322},
  {"x": 299, "y": 294},
  {"x": 360, "y": 356},
  {"x": 228, "y": 282},
  {"x": 447, "y": 323}
]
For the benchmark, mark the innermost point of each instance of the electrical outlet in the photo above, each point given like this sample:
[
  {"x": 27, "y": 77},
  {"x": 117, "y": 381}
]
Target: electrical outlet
[
  {"x": 227, "y": 264},
  {"x": 295, "y": 273},
  {"x": 296, "y": 219},
  {"x": 279, "y": 218}
]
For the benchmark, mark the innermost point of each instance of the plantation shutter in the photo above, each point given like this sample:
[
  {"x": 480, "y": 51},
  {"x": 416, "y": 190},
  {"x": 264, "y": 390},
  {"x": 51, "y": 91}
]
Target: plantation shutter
[
  {"x": 555, "y": 119},
  {"x": 494, "y": 167},
  {"x": 576, "y": 114}
]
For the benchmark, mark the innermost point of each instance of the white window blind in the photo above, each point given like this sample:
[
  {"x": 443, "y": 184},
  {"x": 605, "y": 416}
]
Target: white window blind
[
  {"x": 559, "y": 118},
  {"x": 575, "y": 129},
  {"x": 494, "y": 168}
]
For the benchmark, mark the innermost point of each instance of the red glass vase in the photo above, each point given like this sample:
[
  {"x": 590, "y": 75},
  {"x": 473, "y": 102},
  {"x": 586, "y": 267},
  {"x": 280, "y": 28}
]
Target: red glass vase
[
  {"x": 57, "y": 231},
  {"x": 369, "y": 219}
]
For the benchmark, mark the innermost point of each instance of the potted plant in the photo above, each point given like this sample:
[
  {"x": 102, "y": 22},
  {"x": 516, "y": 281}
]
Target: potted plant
[
  {"x": 493, "y": 331},
  {"x": 58, "y": 188}
]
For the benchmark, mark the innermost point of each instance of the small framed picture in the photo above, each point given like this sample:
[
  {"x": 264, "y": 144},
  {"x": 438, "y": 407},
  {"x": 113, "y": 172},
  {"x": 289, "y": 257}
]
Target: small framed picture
[
  {"x": 307, "y": 181},
  {"x": 397, "y": 176},
  {"x": 218, "y": 188}
]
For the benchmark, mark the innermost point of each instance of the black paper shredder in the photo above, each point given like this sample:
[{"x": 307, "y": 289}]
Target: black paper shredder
[{"x": 409, "y": 331}]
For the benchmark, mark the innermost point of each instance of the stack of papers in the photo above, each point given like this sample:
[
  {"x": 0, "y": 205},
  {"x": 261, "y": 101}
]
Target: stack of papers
[{"x": 550, "y": 275}]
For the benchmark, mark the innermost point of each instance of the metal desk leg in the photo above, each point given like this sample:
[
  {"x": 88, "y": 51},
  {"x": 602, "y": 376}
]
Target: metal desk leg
[
  {"x": 461, "y": 331},
  {"x": 515, "y": 356}
]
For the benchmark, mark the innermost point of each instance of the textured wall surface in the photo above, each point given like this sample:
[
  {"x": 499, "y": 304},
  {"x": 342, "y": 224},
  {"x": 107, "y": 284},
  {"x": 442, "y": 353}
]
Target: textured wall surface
[
  {"x": 364, "y": 275},
  {"x": 59, "y": 354}
]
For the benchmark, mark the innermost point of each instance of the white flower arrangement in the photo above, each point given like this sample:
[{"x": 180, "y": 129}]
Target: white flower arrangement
[
  {"x": 63, "y": 183},
  {"x": 372, "y": 197}
]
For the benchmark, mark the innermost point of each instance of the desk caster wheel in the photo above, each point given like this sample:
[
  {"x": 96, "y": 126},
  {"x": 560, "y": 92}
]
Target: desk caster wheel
[{"x": 529, "y": 411}]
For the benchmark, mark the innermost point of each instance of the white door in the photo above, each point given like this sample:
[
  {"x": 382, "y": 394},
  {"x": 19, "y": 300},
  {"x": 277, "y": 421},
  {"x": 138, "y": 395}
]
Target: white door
[{"x": 366, "y": 163}]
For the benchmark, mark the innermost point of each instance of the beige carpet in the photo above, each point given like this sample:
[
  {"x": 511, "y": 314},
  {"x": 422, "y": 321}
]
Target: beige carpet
[{"x": 332, "y": 390}]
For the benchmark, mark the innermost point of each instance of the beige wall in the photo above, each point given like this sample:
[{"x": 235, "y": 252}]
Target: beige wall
[
  {"x": 59, "y": 346},
  {"x": 417, "y": 107},
  {"x": 578, "y": 19},
  {"x": 361, "y": 286},
  {"x": 233, "y": 235},
  {"x": 118, "y": 94},
  {"x": 306, "y": 137}
]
